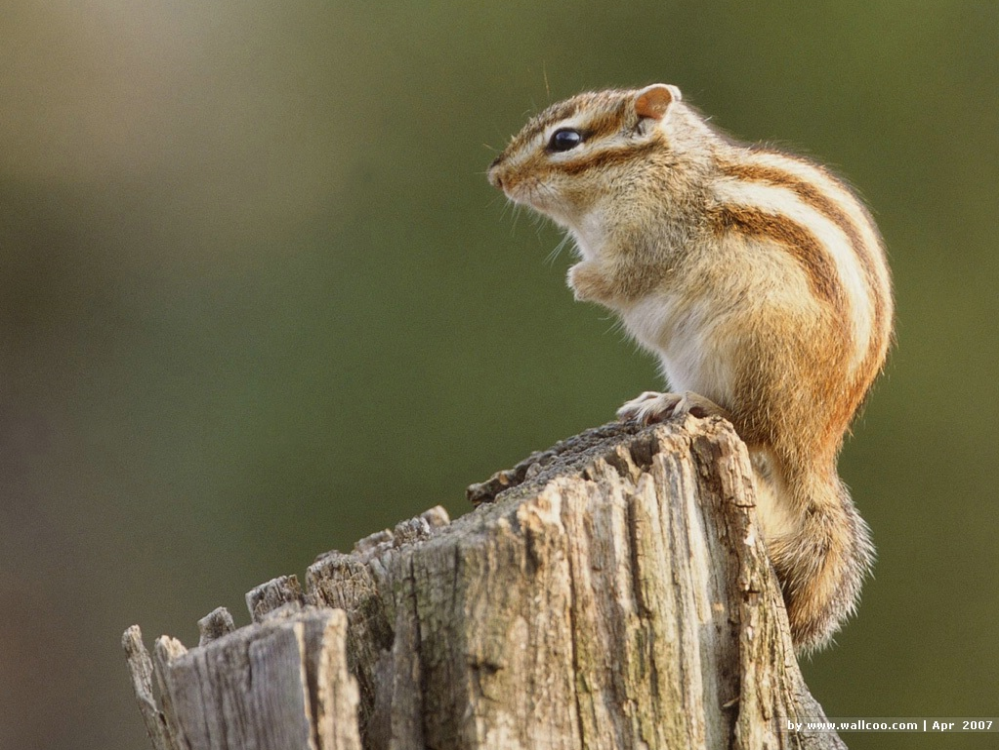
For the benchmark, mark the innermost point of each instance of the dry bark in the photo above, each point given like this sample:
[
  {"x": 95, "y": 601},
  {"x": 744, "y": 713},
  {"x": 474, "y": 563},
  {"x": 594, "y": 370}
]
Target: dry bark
[{"x": 612, "y": 592}]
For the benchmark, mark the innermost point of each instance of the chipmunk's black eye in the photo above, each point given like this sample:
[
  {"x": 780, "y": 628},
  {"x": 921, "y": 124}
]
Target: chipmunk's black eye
[{"x": 565, "y": 139}]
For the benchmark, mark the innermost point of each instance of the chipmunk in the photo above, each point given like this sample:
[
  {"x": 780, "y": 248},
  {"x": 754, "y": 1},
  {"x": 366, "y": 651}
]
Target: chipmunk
[{"x": 759, "y": 280}]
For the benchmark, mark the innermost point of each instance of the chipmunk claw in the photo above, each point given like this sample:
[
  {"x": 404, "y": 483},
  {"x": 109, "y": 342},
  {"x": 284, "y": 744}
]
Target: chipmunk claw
[
  {"x": 653, "y": 406},
  {"x": 650, "y": 407}
]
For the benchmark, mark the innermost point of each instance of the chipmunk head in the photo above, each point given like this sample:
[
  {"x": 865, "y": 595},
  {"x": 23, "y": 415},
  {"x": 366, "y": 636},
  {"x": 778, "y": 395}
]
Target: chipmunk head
[{"x": 569, "y": 157}]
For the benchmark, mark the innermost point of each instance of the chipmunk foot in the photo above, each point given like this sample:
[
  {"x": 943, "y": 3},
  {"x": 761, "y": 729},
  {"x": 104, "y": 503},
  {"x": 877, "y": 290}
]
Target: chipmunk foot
[{"x": 653, "y": 406}]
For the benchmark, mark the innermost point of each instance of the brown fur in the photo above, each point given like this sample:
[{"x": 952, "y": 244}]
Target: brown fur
[
  {"x": 751, "y": 307},
  {"x": 798, "y": 241},
  {"x": 869, "y": 257}
]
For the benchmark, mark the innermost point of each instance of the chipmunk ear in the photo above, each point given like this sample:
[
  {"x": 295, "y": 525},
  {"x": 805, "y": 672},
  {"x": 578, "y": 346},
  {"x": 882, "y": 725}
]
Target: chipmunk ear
[{"x": 654, "y": 100}]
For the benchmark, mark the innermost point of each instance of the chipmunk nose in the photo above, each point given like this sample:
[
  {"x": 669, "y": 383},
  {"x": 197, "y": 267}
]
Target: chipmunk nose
[{"x": 493, "y": 173}]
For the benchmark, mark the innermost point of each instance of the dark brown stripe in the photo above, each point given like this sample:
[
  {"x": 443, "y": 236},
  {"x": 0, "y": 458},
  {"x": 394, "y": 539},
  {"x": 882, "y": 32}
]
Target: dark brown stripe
[
  {"x": 553, "y": 114},
  {"x": 607, "y": 108},
  {"x": 811, "y": 195},
  {"x": 606, "y": 157},
  {"x": 802, "y": 244},
  {"x": 829, "y": 208},
  {"x": 607, "y": 123}
]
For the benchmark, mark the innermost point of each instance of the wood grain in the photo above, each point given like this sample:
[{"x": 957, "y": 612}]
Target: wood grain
[{"x": 611, "y": 592}]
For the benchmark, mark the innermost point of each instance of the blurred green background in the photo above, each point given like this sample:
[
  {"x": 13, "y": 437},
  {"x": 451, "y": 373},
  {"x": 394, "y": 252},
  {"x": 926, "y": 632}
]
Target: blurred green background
[{"x": 257, "y": 300}]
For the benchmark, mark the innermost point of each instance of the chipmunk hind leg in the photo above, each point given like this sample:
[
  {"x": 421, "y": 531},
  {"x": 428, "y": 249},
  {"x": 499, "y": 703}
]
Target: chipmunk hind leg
[{"x": 822, "y": 562}]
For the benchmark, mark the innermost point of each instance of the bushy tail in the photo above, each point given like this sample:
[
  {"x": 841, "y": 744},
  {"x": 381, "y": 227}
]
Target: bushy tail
[{"x": 822, "y": 564}]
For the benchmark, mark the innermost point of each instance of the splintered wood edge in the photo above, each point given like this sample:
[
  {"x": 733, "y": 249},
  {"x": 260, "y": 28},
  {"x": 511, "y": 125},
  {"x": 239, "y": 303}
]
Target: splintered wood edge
[
  {"x": 140, "y": 666},
  {"x": 269, "y": 596},
  {"x": 563, "y": 457},
  {"x": 214, "y": 625},
  {"x": 575, "y": 454},
  {"x": 283, "y": 597},
  {"x": 296, "y": 687}
]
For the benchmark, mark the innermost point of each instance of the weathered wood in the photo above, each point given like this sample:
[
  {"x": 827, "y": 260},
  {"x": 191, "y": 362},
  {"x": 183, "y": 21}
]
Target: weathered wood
[
  {"x": 214, "y": 625},
  {"x": 279, "y": 684},
  {"x": 612, "y": 592},
  {"x": 275, "y": 593},
  {"x": 141, "y": 667}
]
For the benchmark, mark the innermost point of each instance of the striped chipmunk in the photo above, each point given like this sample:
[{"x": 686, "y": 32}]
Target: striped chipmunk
[{"x": 760, "y": 282}]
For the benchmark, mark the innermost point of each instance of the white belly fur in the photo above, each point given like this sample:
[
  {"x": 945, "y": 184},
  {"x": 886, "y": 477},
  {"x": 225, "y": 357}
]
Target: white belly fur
[
  {"x": 690, "y": 345},
  {"x": 696, "y": 356}
]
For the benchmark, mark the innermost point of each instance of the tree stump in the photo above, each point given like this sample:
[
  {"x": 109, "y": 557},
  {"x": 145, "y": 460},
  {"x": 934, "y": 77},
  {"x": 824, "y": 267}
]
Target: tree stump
[{"x": 611, "y": 592}]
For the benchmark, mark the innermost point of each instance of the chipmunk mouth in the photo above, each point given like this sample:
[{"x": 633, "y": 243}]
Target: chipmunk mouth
[{"x": 528, "y": 192}]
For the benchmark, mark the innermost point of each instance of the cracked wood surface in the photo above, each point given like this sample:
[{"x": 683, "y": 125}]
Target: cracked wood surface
[{"x": 611, "y": 592}]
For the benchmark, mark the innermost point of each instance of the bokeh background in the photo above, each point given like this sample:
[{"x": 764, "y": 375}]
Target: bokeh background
[{"x": 257, "y": 300}]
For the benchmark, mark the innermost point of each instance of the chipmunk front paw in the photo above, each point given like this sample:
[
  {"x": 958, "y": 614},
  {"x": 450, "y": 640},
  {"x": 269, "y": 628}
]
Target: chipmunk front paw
[
  {"x": 653, "y": 406},
  {"x": 590, "y": 282}
]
